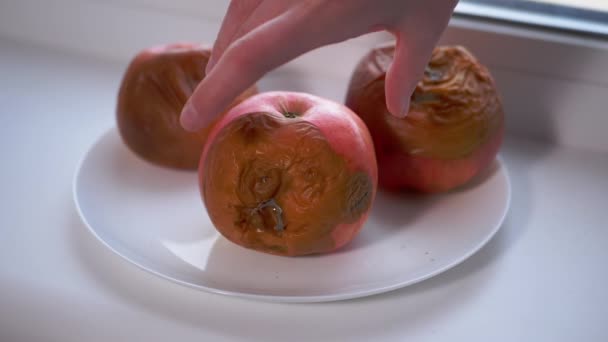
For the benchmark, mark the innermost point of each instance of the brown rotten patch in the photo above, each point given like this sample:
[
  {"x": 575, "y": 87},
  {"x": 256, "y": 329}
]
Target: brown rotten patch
[{"x": 274, "y": 183}]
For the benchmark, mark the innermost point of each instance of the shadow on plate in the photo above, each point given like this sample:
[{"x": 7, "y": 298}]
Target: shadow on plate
[
  {"x": 399, "y": 210},
  {"x": 411, "y": 308}
]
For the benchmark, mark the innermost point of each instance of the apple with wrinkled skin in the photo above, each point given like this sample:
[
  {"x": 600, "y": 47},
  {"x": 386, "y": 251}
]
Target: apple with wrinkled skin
[
  {"x": 153, "y": 91},
  {"x": 289, "y": 174},
  {"x": 454, "y": 127}
]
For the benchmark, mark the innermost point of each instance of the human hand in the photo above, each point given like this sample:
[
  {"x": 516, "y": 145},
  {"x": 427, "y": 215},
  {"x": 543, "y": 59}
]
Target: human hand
[{"x": 257, "y": 36}]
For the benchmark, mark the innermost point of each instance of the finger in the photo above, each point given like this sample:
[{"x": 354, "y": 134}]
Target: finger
[
  {"x": 404, "y": 73},
  {"x": 237, "y": 13},
  {"x": 261, "y": 50},
  {"x": 416, "y": 40},
  {"x": 264, "y": 12}
]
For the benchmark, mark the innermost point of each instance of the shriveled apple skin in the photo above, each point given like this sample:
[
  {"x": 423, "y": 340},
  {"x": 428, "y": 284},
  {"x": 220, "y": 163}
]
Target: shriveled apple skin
[
  {"x": 318, "y": 167},
  {"x": 154, "y": 89},
  {"x": 454, "y": 127}
]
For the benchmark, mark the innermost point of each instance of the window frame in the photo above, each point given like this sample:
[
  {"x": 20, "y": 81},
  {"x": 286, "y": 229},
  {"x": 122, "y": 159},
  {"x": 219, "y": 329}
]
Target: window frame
[{"x": 538, "y": 14}]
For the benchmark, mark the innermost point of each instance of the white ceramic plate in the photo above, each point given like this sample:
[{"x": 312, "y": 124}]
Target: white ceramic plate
[{"x": 154, "y": 218}]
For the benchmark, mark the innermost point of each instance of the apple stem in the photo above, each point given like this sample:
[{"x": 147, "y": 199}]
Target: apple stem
[{"x": 276, "y": 210}]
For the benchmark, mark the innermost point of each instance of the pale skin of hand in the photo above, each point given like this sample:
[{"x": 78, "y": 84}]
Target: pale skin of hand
[{"x": 257, "y": 36}]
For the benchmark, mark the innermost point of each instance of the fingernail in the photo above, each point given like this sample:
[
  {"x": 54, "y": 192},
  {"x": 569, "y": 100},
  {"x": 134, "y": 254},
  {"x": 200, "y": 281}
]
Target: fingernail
[
  {"x": 188, "y": 117},
  {"x": 405, "y": 109}
]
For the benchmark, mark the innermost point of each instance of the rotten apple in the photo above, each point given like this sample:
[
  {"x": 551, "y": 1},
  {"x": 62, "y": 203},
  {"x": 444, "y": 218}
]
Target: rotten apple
[
  {"x": 153, "y": 91},
  {"x": 454, "y": 127},
  {"x": 289, "y": 173}
]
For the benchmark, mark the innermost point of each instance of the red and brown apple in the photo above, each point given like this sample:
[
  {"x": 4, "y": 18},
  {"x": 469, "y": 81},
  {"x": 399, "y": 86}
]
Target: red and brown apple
[
  {"x": 289, "y": 174},
  {"x": 454, "y": 127},
  {"x": 153, "y": 91}
]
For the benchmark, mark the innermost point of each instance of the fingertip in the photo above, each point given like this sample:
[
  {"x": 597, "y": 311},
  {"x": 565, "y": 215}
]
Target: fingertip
[
  {"x": 190, "y": 118},
  {"x": 398, "y": 108},
  {"x": 398, "y": 93},
  {"x": 405, "y": 109}
]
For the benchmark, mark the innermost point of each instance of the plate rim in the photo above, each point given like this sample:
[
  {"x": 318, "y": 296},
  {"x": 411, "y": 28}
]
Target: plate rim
[{"x": 289, "y": 298}]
